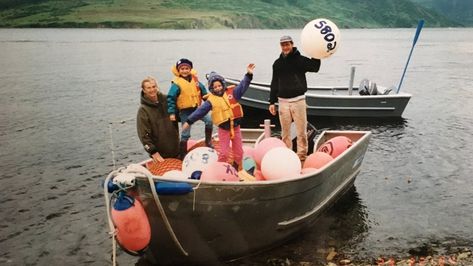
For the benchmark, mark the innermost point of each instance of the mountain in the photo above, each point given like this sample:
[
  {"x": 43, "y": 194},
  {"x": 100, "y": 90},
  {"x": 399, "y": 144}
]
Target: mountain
[
  {"x": 460, "y": 11},
  {"x": 191, "y": 14}
]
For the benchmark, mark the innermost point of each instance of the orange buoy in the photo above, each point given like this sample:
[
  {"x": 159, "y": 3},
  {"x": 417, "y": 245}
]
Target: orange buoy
[
  {"x": 132, "y": 225},
  {"x": 317, "y": 160},
  {"x": 335, "y": 146}
]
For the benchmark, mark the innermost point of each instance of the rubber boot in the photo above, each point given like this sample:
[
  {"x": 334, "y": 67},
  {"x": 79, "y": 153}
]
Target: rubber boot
[
  {"x": 182, "y": 149},
  {"x": 208, "y": 138}
]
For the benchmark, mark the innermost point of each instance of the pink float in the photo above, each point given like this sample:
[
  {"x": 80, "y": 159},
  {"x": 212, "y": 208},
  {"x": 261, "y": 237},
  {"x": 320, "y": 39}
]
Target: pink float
[
  {"x": 335, "y": 146},
  {"x": 264, "y": 146},
  {"x": 248, "y": 151},
  {"x": 219, "y": 171},
  {"x": 317, "y": 160},
  {"x": 280, "y": 162},
  {"x": 258, "y": 175},
  {"x": 132, "y": 225},
  {"x": 191, "y": 143}
]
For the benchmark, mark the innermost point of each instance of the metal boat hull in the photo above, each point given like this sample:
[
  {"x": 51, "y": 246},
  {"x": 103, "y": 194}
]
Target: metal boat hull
[
  {"x": 334, "y": 102},
  {"x": 222, "y": 221}
]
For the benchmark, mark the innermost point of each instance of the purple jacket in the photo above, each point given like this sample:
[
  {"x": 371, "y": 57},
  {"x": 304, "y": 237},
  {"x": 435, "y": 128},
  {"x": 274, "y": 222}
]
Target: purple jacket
[{"x": 207, "y": 106}]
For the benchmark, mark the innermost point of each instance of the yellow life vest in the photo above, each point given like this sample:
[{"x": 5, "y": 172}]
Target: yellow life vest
[
  {"x": 225, "y": 108},
  {"x": 190, "y": 94}
]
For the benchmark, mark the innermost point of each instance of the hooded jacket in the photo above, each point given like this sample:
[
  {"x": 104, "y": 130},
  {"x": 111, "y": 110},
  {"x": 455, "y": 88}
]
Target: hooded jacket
[
  {"x": 156, "y": 131},
  {"x": 289, "y": 79}
]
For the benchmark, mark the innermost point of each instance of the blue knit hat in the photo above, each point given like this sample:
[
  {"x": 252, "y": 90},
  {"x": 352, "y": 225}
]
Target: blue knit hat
[
  {"x": 212, "y": 77},
  {"x": 183, "y": 62}
]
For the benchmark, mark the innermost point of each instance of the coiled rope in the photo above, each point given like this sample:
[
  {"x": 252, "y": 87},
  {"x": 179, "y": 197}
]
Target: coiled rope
[{"x": 111, "y": 225}]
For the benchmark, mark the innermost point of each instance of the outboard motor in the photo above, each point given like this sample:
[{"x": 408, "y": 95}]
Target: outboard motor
[
  {"x": 385, "y": 91},
  {"x": 368, "y": 87}
]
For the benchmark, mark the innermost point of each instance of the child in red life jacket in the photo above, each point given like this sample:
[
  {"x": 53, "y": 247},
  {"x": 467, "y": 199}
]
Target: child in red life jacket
[{"x": 226, "y": 114}]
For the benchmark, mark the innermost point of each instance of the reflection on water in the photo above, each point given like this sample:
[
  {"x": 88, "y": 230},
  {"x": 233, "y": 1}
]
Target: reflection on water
[{"x": 341, "y": 226}]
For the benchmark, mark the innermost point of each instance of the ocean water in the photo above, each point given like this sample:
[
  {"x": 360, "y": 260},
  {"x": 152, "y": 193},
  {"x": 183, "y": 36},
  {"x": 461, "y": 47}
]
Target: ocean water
[{"x": 70, "y": 96}]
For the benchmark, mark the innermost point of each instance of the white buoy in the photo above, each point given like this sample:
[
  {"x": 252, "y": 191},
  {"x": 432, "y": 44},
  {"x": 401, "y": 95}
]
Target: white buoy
[
  {"x": 320, "y": 38},
  {"x": 198, "y": 159}
]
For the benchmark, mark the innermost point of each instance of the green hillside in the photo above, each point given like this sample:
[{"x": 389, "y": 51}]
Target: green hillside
[
  {"x": 191, "y": 14},
  {"x": 460, "y": 11}
]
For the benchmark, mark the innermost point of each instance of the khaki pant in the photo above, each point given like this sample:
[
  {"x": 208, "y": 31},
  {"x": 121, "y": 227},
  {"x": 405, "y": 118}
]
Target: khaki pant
[{"x": 297, "y": 112}]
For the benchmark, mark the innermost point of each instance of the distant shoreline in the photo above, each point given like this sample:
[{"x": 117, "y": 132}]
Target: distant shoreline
[
  {"x": 257, "y": 14},
  {"x": 153, "y": 28}
]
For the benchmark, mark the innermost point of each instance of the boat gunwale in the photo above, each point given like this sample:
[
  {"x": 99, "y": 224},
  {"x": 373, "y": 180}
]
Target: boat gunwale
[
  {"x": 310, "y": 92},
  {"x": 232, "y": 184}
]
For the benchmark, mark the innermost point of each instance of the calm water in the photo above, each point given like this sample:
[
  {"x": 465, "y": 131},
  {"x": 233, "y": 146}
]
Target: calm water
[{"x": 60, "y": 89}]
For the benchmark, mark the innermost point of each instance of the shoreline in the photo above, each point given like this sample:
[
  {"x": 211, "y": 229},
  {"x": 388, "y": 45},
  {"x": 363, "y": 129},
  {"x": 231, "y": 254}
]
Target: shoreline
[
  {"x": 460, "y": 258},
  {"x": 463, "y": 257}
]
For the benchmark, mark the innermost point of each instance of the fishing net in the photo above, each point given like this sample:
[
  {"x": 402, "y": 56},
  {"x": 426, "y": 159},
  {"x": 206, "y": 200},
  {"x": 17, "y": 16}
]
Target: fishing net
[{"x": 159, "y": 168}]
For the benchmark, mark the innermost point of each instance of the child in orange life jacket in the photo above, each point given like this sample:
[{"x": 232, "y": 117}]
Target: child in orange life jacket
[
  {"x": 226, "y": 114},
  {"x": 184, "y": 96}
]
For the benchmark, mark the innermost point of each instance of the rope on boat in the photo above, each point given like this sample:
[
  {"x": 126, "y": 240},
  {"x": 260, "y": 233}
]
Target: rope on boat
[
  {"x": 111, "y": 144},
  {"x": 195, "y": 192},
  {"x": 111, "y": 136},
  {"x": 112, "y": 231},
  {"x": 111, "y": 225},
  {"x": 163, "y": 214}
]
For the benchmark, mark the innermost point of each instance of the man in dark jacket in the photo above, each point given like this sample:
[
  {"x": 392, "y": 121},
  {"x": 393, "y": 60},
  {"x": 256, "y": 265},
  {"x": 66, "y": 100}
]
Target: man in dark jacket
[
  {"x": 288, "y": 87},
  {"x": 158, "y": 134}
]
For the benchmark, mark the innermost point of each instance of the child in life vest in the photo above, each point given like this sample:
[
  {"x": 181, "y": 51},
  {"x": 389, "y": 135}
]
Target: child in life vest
[
  {"x": 184, "y": 96},
  {"x": 226, "y": 114}
]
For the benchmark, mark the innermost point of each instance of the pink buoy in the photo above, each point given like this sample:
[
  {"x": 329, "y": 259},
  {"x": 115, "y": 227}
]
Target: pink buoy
[
  {"x": 280, "y": 162},
  {"x": 248, "y": 151},
  {"x": 317, "y": 160},
  {"x": 258, "y": 175},
  {"x": 264, "y": 146},
  {"x": 336, "y": 145},
  {"x": 132, "y": 225},
  {"x": 219, "y": 171},
  {"x": 191, "y": 143}
]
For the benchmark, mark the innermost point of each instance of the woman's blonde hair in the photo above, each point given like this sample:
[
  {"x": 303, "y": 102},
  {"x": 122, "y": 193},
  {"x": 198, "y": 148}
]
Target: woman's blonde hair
[{"x": 149, "y": 79}]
